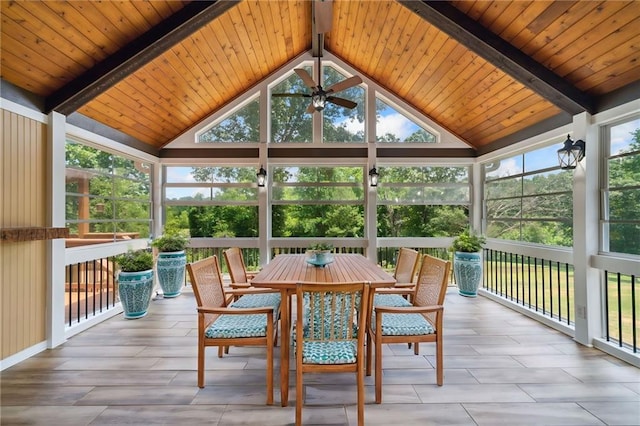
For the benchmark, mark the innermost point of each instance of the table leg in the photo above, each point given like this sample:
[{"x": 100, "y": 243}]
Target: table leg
[{"x": 284, "y": 347}]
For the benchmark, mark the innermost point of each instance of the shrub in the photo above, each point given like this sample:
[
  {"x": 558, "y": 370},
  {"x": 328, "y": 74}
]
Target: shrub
[
  {"x": 468, "y": 242},
  {"x": 171, "y": 242},
  {"x": 135, "y": 261}
]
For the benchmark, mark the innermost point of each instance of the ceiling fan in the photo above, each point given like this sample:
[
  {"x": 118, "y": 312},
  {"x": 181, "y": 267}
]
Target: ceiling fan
[{"x": 322, "y": 17}]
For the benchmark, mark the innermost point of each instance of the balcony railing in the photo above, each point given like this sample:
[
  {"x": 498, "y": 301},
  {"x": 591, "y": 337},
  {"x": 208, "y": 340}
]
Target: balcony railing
[
  {"x": 540, "y": 280},
  {"x": 90, "y": 289},
  {"x": 621, "y": 317},
  {"x": 542, "y": 285}
]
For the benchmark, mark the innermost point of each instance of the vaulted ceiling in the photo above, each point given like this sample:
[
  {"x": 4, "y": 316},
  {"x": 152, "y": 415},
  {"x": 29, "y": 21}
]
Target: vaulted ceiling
[{"x": 487, "y": 71}]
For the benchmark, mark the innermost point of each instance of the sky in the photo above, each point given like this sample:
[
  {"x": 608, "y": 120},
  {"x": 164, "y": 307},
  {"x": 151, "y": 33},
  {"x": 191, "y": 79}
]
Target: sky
[{"x": 390, "y": 121}]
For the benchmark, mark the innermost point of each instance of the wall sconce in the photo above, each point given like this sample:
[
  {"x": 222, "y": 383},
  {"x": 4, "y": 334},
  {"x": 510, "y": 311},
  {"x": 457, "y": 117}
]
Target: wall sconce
[
  {"x": 571, "y": 153},
  {"x": 262, "y": 176},
  {"x": 373, "y": 177}
]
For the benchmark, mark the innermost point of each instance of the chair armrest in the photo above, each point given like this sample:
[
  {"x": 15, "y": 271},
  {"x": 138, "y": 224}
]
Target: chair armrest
[
  {"x": 408, "y": 309},
  {"x": 394, "y": 290},
  {"x": 250, "y": 290},
  {"x": 240, "y": 285},
  {"x": 405, "y": 285},
  {"x": 236, "y": 311}
]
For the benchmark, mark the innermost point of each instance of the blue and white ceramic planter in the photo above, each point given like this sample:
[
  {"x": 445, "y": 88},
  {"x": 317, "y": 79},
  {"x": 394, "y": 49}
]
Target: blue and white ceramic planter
[
  {"x": 467, "y": 270},
  {"x": 135, "y": 290},
  {"x": 170, "y": 267}
]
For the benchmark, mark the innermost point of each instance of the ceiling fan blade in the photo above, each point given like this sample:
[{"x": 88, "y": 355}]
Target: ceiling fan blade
[
  {"x": 342, "y": 102},
  {"x": 311, "y": 109},
  {"x": 290, "y": 95},
  {"x": 306, "y": 78},
  {"x": 345, "y": 84},
  {"x": 323, "y": 15}
]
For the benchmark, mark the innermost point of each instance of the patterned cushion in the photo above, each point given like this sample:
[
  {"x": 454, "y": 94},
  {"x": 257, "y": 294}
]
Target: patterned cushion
[
  {"x": 330, "y": 352},
  {"x": 227, "y": 326},
  {"x": 404, "y": 325},
  {"x": 390, "y": 300},
  {"x": 339, "y": 318},
  {"x": 258, "y": 301}
]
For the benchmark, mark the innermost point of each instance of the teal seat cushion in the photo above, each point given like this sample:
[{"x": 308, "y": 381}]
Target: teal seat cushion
[
  {"x": 390, "y": 300},
  {"x": 232, "y": 326},
  {"x": 270, "y": 300},
  {"x": 329, "y": 352},
  {"x": 404, "y": 325}
]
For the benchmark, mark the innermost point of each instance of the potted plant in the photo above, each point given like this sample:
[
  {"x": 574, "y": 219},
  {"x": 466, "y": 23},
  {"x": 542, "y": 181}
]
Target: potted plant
[
  {"x": 467, "y": 262},
  {"x": 135, "y": 282},
  {"x": 171, "y": 262},
  {"x": 320, "y": 254}
]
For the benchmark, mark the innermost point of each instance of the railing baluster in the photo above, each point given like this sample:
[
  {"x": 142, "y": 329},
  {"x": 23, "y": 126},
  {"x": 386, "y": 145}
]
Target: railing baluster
[
  {"x": 567, "y": 293},
  {"x": 619, "y": 311},
  {"x": 634, "y": 327}
]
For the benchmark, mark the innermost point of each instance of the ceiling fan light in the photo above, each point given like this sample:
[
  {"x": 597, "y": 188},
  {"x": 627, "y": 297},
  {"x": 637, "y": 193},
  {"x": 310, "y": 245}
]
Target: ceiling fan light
[{"x": 318, "y": 102}]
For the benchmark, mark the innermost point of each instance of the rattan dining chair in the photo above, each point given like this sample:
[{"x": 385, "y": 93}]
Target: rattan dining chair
[
  {"x": 240, "y": 278},
  {"x": 407, "y": 265},
  {"x": 330, "y": 335},
  {"x": 250, "y": 320},
  {"x": 420, "y": 322}
]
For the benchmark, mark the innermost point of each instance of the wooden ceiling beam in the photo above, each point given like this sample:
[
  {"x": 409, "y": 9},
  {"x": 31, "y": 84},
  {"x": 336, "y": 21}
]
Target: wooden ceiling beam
[
  {"x": 136, "y": 54},
  {"x": 503, "y": 55}
]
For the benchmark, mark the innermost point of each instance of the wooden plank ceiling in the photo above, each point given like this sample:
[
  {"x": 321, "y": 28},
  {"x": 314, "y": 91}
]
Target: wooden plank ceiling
[{"x": 482, "y": 69}]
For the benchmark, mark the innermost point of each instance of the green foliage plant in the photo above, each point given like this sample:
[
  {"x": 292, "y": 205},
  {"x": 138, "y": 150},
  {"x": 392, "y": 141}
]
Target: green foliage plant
[
  {"x": 171, "y": 242},
  {"x": 321, "y": 247},
  {"x": 135, "y": 261},
  {"x": 468, "y": 242}
]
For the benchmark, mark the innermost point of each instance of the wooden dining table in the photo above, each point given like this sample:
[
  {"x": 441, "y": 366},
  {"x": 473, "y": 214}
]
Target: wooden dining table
[{"x": 286, "y": 270}]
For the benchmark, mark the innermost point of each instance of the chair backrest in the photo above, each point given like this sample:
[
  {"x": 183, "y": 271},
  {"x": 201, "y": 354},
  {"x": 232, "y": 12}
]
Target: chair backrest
[
  {"x": 206, "y": 280},
  {"x": 235, "y": 265},
  {"x": 406, "y": 265},
  {"x": 329, "y": 311},
  {"x": 431, "y": 286}
]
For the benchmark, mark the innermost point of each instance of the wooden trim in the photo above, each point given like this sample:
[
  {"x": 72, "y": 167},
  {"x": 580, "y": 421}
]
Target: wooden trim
[
  {"x": 151, "y": 44},
  {"x": 210, "y": 153},
  {"x": 14, "y": 235},
  {"x": 318, "y": 152},
  {"x": 503, "y": 55},
  {"x": 397, "y": 152}
]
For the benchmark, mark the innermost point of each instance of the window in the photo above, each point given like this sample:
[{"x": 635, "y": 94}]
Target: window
[
  {"x": 289, "y": 120},
  {"x": 620, "y": 194},
  {"x": 317, "y": 202},
  {"x": 211, "y": 201},
  {"x": 340, "y": 124},
  {"x": 422, "y": 201},
  {"x": 529, "y": 198},
  {"x": 242, "y": 125},
  {"x": 392, "y": 126},
  {"x": 108, "y": 196}
]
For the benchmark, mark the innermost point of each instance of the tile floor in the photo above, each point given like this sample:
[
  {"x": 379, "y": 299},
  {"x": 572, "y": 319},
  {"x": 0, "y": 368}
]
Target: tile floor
[{"x": 501, "y": 368}]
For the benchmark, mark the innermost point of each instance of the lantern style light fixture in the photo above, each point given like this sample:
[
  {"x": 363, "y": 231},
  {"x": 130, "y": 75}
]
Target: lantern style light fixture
[
  {"x": 373, "y": 177},
  {"x": 262, "y": 176},
  {"x": 571, "y": 153}
]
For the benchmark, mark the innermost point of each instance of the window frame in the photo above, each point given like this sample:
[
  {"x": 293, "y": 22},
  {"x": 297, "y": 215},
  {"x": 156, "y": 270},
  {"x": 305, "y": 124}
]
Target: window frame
[
  {"x": 112, "y": 175},
  {"x": 605, "y": 189}
]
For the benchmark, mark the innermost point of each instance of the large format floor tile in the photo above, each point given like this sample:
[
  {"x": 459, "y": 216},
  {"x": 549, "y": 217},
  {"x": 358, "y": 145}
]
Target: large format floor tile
[{"x": 501, "y": 368}]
